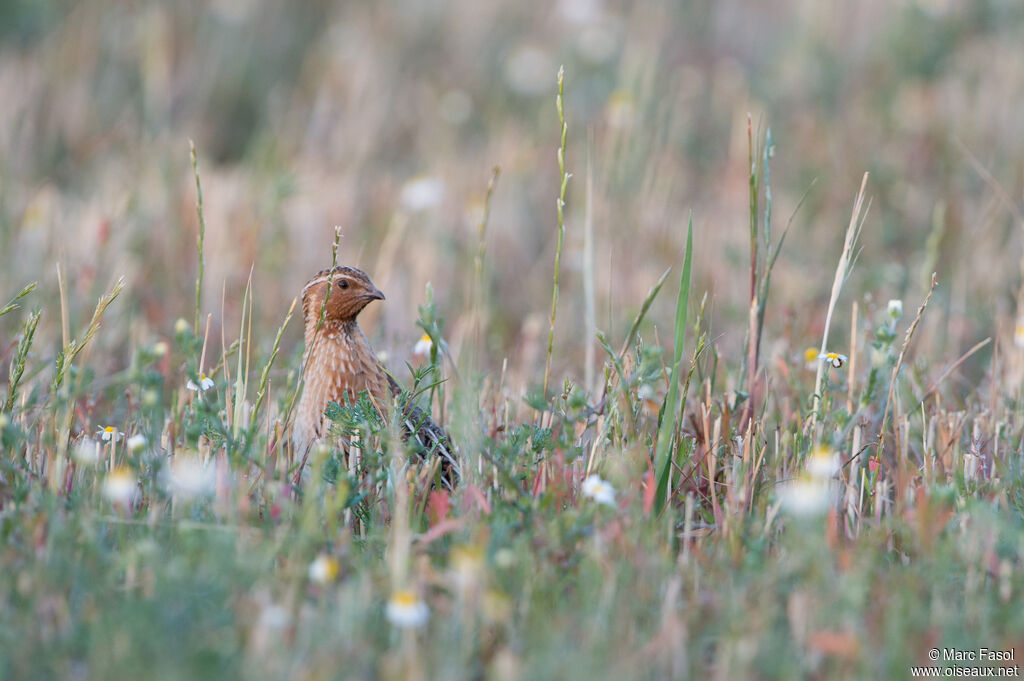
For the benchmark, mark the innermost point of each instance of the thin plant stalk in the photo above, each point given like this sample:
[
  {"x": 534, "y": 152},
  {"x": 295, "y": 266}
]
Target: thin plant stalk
[
  {"x": 899, "y": 364},
  {"x": 561, "y": 223},
  {"x": 842, "y": 272},
  {"x": 202, "y": 232}
]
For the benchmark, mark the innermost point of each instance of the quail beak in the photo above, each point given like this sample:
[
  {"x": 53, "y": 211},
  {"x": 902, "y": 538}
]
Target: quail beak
[{"x": 374, "y": 294}]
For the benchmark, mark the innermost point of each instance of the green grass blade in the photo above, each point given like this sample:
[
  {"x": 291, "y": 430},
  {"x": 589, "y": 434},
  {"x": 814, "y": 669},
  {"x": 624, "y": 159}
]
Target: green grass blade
[{"x": 662, "y": 459}]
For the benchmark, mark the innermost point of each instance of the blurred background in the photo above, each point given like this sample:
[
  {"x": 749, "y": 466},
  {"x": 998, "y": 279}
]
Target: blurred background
[{"x": 386, "y": 118}]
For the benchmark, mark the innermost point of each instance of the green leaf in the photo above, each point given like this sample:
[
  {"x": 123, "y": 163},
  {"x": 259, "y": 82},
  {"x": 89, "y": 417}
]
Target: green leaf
[{"x": 662, "y": 458}]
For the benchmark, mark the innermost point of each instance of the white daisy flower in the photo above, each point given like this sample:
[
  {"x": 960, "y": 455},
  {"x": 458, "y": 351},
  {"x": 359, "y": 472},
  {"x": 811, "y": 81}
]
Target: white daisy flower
[
  {"x": 895, "y": 309},
  {"x": 599, "y": 490},
  {"x": 120, "y": 486},
  {"x": 806, "y": 496},
  {"x": 406, "y": 610},
  {"x": 188, "y": 476},
  {"x": 205, "y": 383},
  {"x": 136, "y": 442},
  {"x": 423, "y": 346},
  {"x": 160, "y": 348},
  {"x": 323, "y": 570},
  {"x": 109, "y": 433},
  {"x": 823, "y": 463},
  {"x": 834, "y": 358}
]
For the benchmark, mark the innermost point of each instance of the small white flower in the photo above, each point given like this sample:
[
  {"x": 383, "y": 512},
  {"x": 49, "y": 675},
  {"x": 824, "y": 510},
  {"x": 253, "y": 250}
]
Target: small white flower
[
  {"x": 323, "y": 570},
  {"x": 833, "y": 358},
  {"x": 806, "y": 496},
  {"x": 86, "y": 452},
  {"x": 181, "y": 326},
  {"x": 423, "y": 346},
  {"x": 120, "y": 486},
  {"x": 599, "y": 490},
  {"x": 823, "y": 463},
  {"x": 205, "y": 383},
  {"x": 188, "y": 476},
  {"x": 467, "y": 564},
  {"x": 109, "y": 433},
  {"x": 136, "y": 442},
  {"x": 406, "y": 610},
  {"x": 160, "y": 348},
  {"x": 895, "y": 309},
  {"x": 421, "y": 193}
]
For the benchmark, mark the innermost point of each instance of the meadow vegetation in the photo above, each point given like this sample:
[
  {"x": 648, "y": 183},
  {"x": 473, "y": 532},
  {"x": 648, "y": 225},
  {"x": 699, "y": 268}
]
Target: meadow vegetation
[{"x": 724, "y": 317}]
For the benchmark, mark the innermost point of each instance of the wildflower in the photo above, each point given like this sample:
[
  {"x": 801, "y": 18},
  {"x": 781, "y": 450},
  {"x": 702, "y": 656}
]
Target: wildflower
[
  {"x": 467, "y": 564},
  {"x": 406, "y": 610},
  {"x": 109, "y": 433},
  {"x": 822, "y": 463},
  {"x": 423, "y": 346},
  {"x": 811, "y": 358},
  {"x": 421, "y": 193},
  {"x": 599, "y": 490},
  {"x": 86, "y": 452},
  {"x": 1018, "y": 333},
  {"x": 833, "y": 358},
  {"x": 205, "y": 383},
  {"x": 807, "y": 495},
  {"x": 160, "y": 348},
  {"x": 181, "y": 326},
  {"x": 188, "y": 476},
  {"x": 136, "y": 442},
  {"x": 120, "y": 486},
  {"x": 811, "y": 492},
  {"x": 323, "y": 570},
  {"x": 895, "y": 309}
]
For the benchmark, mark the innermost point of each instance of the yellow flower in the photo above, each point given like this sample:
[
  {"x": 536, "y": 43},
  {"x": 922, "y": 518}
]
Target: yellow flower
[{"x": 811, "y": 358}]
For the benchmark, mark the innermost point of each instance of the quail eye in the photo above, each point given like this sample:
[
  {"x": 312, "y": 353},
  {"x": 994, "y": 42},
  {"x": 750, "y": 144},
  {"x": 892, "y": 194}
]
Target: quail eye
[{"x": 343, "y": 283}]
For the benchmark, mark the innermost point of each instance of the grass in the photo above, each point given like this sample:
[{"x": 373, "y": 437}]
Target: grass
[{"x": 772, "y": 517}]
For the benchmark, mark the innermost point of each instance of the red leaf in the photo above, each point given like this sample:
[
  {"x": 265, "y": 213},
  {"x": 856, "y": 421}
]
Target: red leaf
[{"x": 438, "y": 505}]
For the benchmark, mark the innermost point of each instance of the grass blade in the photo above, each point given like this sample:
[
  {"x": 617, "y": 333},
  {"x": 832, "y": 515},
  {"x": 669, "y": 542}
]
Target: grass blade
[{"x": 668, "y": 427}]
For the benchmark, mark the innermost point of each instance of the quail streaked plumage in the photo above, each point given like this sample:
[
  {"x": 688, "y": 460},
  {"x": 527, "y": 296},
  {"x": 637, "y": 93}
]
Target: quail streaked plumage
[{"x": 339, "y": 361}]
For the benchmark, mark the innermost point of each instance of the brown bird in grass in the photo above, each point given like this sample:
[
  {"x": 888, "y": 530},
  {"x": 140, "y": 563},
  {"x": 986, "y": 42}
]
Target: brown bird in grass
[{"x": 339, "y": 362}]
